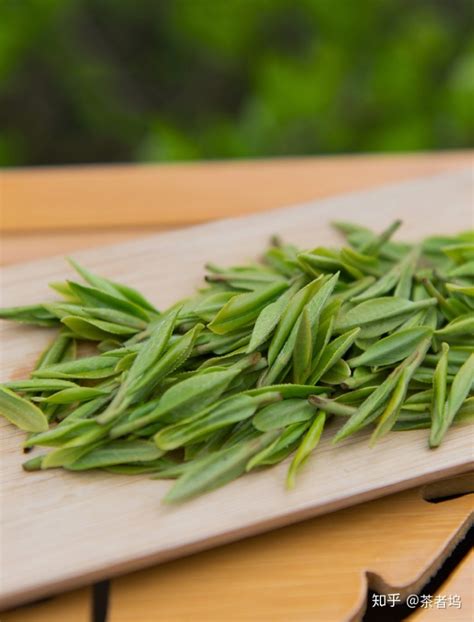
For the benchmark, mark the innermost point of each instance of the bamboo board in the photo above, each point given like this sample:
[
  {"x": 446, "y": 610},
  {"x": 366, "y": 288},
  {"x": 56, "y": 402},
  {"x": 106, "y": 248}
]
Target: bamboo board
[{"x": 60, "y": 530}]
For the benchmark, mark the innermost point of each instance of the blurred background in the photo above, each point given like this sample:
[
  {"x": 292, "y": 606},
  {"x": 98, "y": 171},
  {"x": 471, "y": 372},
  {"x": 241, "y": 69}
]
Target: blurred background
[{"x": 85, "y": 81}]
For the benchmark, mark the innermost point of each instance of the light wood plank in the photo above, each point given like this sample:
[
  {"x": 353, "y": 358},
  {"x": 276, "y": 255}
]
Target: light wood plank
[
  {"x": 101, "y": 524},
  {"x": 177, "y": 194},
  {"x": 459, "y": 583},
  {"x": 27, "y": 246}
]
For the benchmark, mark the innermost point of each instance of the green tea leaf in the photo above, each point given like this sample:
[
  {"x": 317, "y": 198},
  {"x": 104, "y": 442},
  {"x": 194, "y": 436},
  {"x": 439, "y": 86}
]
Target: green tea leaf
[
  {"x": 21, "y": 412},
  {"x": 373, "y": 402},
  {"x": 61, "y": 434},
  {"x": 161, "y": 466},
  {"x": 377, "y": 310},
  {"x": 313, "y": 307},
  {"x": 391, "y": 412},
  {"x": 303, "y": 350},
  {"x": 331, "y": 407},
  {"x": 29, "y": 314},
  {"x": 115, "y": 317},
  {"x": 242, "y": 309},
  {"x": 439, "y": 395},
  {"x": 217, "y": 469},
  {"x": 280, "y": 448},
  {"x": 174, "y": 356},
  {"x": 93, "y": 297},
  {"x": 355, "y": 288},
  {"x": 322, "y": 260},
  {"x": 391, "y": 349},
  {"x": 460, "y": 253},
  {"x": 288, "y": 391},
  {"x": 461, "y": 386},
  {"x": 307, "y": 446},
  {"x": 200, "y": 426},
  {"x": 95, "y": 330},
  {"x": 116, "y": 289},
  {"x": 282, "y": 414},
  {"x": 33, "y": 464},
  {"x": 324, "y": 332},
  {"x": 208, "y": 308},
  {"x": 332, "y": 353},
  {"x": 289, "y": 319},
  {"x": 63, "y": 457},
  {"x": 390, "y": 280},
  {"x": 90, "y": 368},
  {"x": 337, "y": 373},
  {"x": 462, "y": 325},
  {"x": 144, "y": 372},
  {"x": 373, "y": 246},
  {"x": 116, "y": 452},
  {"x": 407, "y": 272},
  {"x": 182, "y": 399},
  {"x": 73, "y": 394},
  {"x": 39, "y": 385},
  {"x": 367, "y": 264},
  {"x": 464, "y": 270},
  {"x": 56, "y": 352},
  {"x": 268, "y": 320}
]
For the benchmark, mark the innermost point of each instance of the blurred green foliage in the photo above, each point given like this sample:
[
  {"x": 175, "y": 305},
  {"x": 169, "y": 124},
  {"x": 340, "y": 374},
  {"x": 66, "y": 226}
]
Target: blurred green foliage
[{"x": 125, "y": 80}]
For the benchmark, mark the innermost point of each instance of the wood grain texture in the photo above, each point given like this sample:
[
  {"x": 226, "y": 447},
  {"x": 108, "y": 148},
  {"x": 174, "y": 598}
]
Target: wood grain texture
[
  {"x": 176, "y": 194},
  {"x": 255, "y": 595},
  {"x": 36, "y": 221},
  {"x": 27, "y": 246},
  {"x": 460, "y": 583},
  {"x": 101, "y": 524},
  {"x": 318, "y": 570},
  {"x": 71, "y": 607}
]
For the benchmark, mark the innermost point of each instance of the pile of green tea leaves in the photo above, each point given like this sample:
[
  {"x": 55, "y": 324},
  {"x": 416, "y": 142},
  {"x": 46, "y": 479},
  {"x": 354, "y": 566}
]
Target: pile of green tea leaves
[{"x": 250, "y": 369}]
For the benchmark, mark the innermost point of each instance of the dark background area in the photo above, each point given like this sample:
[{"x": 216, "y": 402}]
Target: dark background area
[{"x": 139, "y": 80}]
